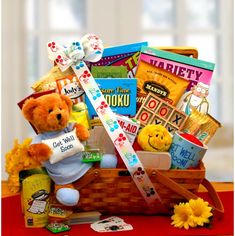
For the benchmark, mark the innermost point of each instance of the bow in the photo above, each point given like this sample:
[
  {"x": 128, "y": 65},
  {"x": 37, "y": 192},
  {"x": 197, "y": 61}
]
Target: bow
[{"x": 89, "y": 48}]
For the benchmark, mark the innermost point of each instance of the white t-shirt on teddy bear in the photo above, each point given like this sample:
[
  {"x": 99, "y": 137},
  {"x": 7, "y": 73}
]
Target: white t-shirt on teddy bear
[{"x": 63, "y": 146}]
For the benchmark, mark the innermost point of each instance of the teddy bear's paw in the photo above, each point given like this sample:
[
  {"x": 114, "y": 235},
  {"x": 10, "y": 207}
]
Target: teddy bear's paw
[
  {"x": 68, "y": 196},
  {"x": 108, "y": 161},
  {"x": 82, "y": 132},
  {"x": 40, "y": 152}
]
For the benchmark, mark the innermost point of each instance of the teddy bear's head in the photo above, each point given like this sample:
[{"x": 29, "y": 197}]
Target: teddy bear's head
[{"x": 49, "y": 112}]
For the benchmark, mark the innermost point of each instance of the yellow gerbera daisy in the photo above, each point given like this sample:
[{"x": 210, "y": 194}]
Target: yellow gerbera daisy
[
  {"x": 201, "y": 211},
  {"x": 183, "y": 216}
]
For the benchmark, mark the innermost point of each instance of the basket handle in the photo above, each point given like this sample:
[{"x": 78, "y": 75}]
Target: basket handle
[{"x": 218, "y": 205}]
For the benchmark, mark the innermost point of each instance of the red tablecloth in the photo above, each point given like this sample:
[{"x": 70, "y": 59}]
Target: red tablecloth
[{"x": 13, "y": 222}]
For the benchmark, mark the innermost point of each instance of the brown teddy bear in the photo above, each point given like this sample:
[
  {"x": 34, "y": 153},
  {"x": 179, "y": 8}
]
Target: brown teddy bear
[{"x": 49, "y": 114}]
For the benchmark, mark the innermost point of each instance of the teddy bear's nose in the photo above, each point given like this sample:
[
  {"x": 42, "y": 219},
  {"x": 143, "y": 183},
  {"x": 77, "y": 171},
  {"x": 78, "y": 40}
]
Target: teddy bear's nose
[{"x": 58, "y": 116}]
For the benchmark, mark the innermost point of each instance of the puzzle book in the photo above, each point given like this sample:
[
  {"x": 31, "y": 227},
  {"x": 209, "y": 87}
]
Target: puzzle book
[{"x": 120, "y": 94}]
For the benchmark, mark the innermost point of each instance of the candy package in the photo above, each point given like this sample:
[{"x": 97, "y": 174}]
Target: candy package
[
  {"x": 203, "y": 126},
  {"x": 162, "y": 83}
]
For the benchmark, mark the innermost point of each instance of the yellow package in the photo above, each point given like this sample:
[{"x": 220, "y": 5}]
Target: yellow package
[
  {"x": 208, "y": 130},
  {"x": 35, "y": 200},
  {"x": 79, "y": 114},
  {"x": 203, "y": 126},
  {"x": 48, "y": 81},
  {"x": 162, "y": 83}
]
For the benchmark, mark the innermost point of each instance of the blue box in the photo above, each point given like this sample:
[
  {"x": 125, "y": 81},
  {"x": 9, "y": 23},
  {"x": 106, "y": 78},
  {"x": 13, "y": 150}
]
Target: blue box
[{"x": 120, "y": 94}]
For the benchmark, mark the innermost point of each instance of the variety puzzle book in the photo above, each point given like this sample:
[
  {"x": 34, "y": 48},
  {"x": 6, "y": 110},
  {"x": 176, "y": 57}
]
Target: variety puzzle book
[
  {"x": 188, "y": 68},
  {"x": 120, "y": 94}
]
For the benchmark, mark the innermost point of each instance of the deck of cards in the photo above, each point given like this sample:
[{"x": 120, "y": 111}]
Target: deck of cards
[{"x": 111, "y": 224}]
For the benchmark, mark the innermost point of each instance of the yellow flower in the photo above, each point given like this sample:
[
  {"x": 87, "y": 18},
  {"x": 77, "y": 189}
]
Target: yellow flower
[
  {"x": 201, "y": 211},
  {"x": 183, "y": 216},
  {"x": 17, "y": 159}
]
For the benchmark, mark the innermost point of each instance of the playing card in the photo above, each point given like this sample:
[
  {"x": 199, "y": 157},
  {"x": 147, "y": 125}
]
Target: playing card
[
  {"x": 112, "y": 219},
  {"x": 111, "y": 224},
  {"x": 113, "y": 227},
  {"x": 106, "y": 222}
]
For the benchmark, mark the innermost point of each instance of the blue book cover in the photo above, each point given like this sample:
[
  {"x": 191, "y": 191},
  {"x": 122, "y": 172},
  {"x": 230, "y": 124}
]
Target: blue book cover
[{"x": 120, "y": 94}]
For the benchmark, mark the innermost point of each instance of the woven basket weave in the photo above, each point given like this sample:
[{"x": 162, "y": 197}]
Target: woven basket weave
[{"x": 112, "y": 191}]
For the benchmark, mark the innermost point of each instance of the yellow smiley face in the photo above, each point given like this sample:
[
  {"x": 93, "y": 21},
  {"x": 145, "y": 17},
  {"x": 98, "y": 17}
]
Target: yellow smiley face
[{"x": 154, "y": 138}]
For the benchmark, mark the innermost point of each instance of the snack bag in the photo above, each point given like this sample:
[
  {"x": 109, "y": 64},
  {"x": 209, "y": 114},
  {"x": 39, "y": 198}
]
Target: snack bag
[
  {"x": 208, "y": 130},
  {"x": 70, "y": 86},
  {"x": 203, "y": 126},
  {"x": 162, "y": 83},
  {"x": 48, "y": 81},
  {"x": 194, "y": 122}
]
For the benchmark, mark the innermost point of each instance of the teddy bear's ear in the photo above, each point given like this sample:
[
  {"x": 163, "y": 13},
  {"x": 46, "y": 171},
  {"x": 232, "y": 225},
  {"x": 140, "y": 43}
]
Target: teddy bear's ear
[
  {"x": 28, "y": 107},
  {"x": 67, "y": 100}
]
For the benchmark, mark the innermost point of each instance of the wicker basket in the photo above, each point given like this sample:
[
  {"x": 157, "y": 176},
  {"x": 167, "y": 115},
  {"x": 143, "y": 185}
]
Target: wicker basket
[{"x": 112, "y": 191}]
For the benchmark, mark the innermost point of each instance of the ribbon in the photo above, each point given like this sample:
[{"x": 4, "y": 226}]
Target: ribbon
[{"x": 90, "y": 49}]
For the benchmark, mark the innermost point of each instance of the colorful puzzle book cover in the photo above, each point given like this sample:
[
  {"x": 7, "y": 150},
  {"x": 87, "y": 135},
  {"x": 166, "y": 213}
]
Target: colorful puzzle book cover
[
  {"x": 185, "y": 67},
  {"x": 123, "y": 55},
  {"x": 120, "y": 94}
]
